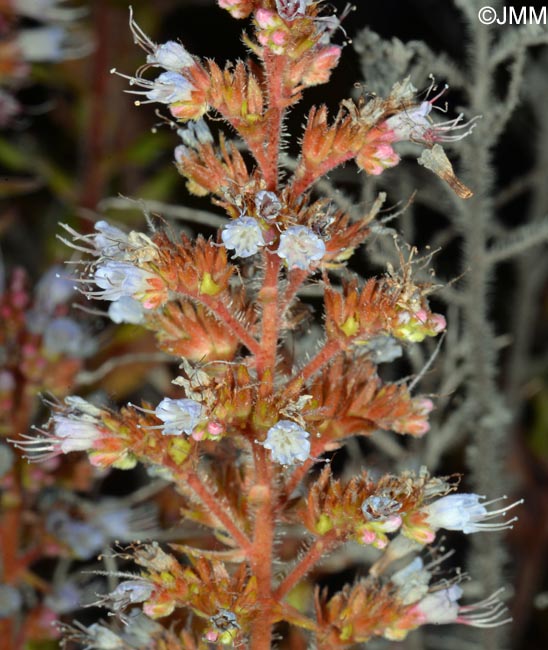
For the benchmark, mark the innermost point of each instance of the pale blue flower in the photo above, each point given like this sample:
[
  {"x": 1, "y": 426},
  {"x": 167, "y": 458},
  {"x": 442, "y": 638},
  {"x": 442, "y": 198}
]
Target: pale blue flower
[
  {"x": 195, "y": 134},
  {"x": 441, "y": 606},
  {"x": 171, "y": 56},
  {"x": 288, "y": 443},
  {"x": 100, "y": 637},
  {"x": 65, "y": 336},
  {"x": 300, "y": 247},
  {"x": 169, "y": 88},
  {"x": 178, "y": 415},
  {"x": 127, "y": 593},
  {"x": 47, "y": 10},
  {"x": 412, "y": 581},
  {"x": 466, "y": 513},
  {"x": 84, "y": 539},
  {"x": 110, "y": 241},
  {"x": 244, "y": 236},
  {"x": 118, "y": 279},
  {"x": 126, "y": 310},
  {"x": 42, "y": 43},
  {"x": 55, "y": 288}
]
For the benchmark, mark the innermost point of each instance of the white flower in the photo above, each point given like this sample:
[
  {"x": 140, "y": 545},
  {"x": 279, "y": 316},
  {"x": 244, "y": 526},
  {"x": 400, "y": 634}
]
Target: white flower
[
  {"x": 244, "y": 236},
  {"x": 109, "y": 240},
  {"x": 118, "y": 522},
  {"x": 131, "y": 591},
  {"x": 267, "y": 205},
  {"x": 169, "y": 88},
  {"x": 79, "y": 407},
  {"x": 77, "y": 429},
  {"x": 126, "y": 310},
  {"x": 118, "y": 279},
  {"x": 54, "y": 288},
  {"x": 195, "y": 134},
  {"x": 74, "y": 434},
  {"x": 410, "y": 124},
  {"x": 440, "y": 606},
  {"x": 42, "y": 43},
  {"x": 383, "y": 349},
  {"x": 300, "y": 247},
  {"x": 102, "y": 638},
  {"x": 179, "y": 415},
  {"x": 181, "y": 153},
  {"x": 412, "y": 581},
  {"x": 414, "y": 124},
  {"x": 47, "y": 10},
  {"x": 464, "y": 512},
  {"x": 65, "y": 336},
  {"x": 83, "y": 538},
  {"x": 288, "y": 442},
  {"x": 126, "y": 593},
  {"x": 171, "y": 56}
]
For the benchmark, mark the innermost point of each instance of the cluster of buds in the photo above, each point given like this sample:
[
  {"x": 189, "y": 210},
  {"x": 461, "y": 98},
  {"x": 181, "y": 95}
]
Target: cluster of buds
[
  {"x": 248, "y": 417},
  {"x": 52, "y": 41}
]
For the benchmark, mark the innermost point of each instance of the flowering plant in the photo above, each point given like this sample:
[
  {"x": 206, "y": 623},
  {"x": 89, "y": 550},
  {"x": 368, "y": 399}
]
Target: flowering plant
[{"x": 246, "y": 432}]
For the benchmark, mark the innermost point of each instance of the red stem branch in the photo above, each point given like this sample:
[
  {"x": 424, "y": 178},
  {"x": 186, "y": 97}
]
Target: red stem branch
[
  {"x": 219, "y": 510},
  {"x": 305, "y": 177},
  {"x": 263, "y": 539},
  {"x": 266, "y": 360},
  {"x": 223, "y": 313},
  {"x": 296, "y": 278},
  {"x": 324, "y": 356},
  {"x": 275, "y": 68},
  {"x": 314, "y": 554}
]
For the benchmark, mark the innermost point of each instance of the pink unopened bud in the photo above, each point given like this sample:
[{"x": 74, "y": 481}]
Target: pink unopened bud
[
  {"x": 419, "y": 428},
  {"x": 237, "y": 8},
  {"x": 438, "y": 322},
  {"x": 368, "y": 536},
  {"x": 278, "y": 37},
  {"x": 198, "y": 435},
  {"x": 267, "y": 19},
  {"x": 426, "y": 405},
  {"x": 215, "y": 428}
]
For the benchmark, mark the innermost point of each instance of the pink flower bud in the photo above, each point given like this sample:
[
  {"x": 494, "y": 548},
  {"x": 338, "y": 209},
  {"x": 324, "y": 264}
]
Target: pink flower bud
[
  {"x": 266, "y": 19},
  {"x": 438, "y": 322},
  {"x": 215, "y": 428}
]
